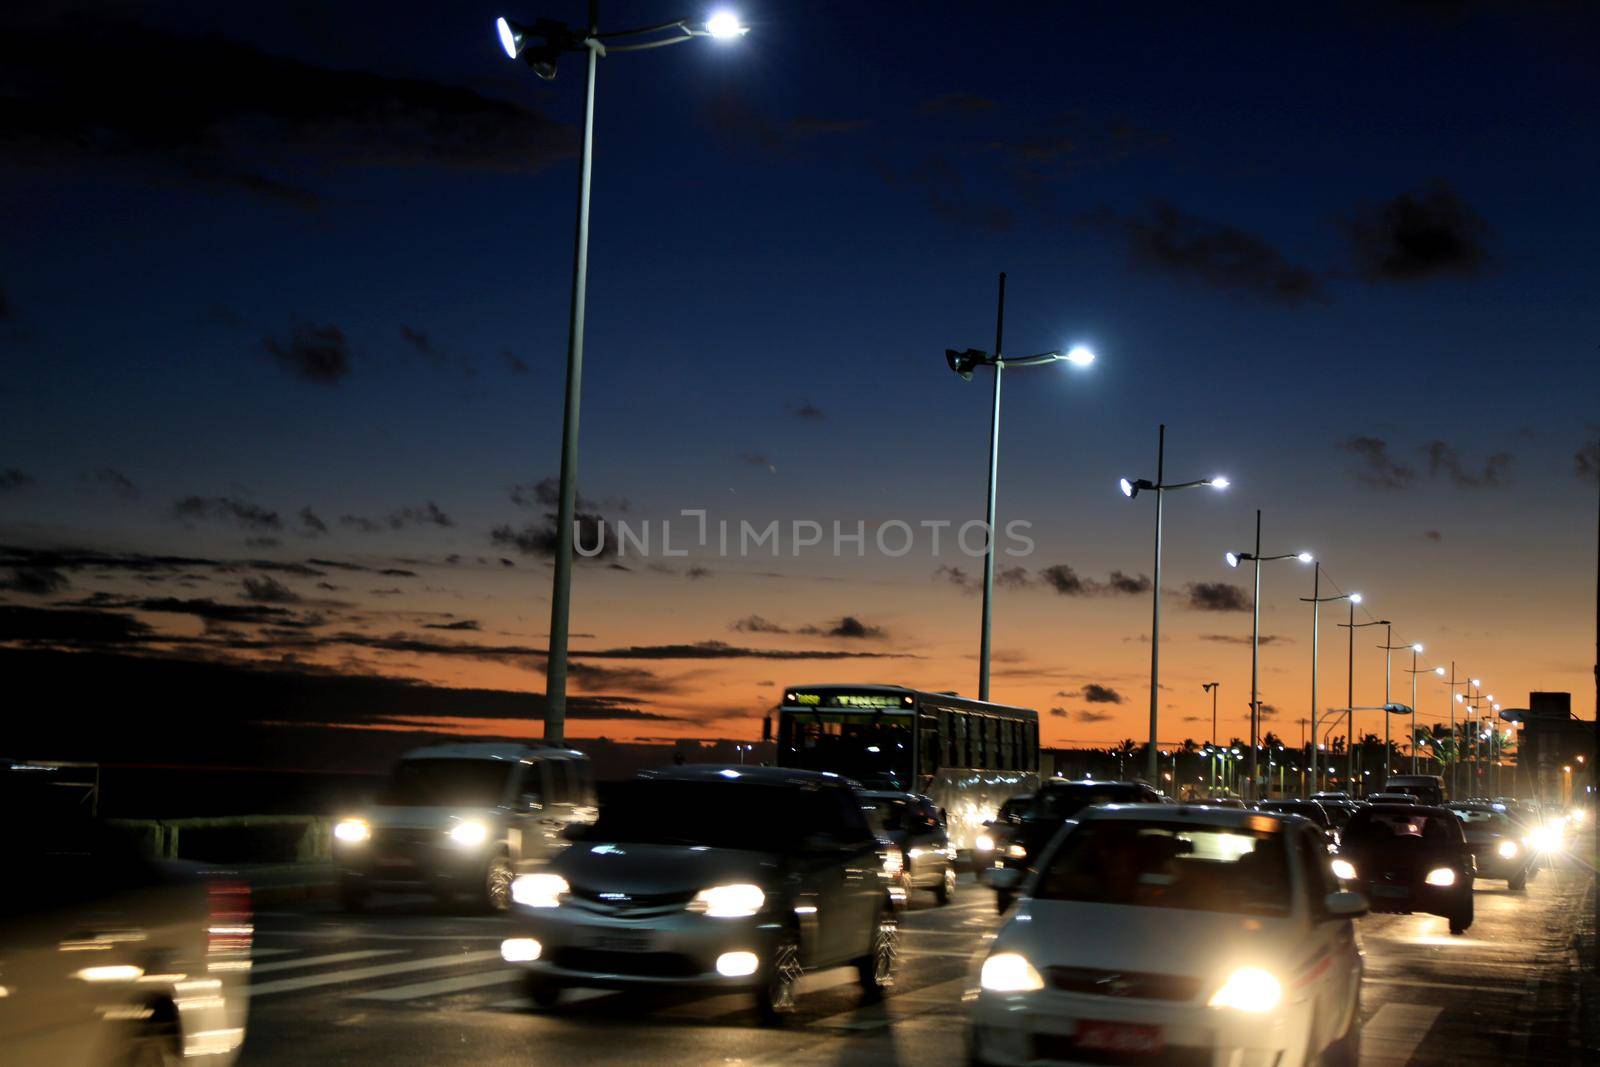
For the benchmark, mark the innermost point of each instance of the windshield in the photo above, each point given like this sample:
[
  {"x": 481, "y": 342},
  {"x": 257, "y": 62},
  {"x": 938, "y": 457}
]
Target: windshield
[
  {"x": 422, "y": 783},
  {"x": 1477, "y": 820},
  {"x": 870, "y": 747},
  {"x": 1065, "y": 803},
  {"x": 746, "y": 816},
  {"x": 1311, "y": 811},
  {"x": 1180, "y": 865},
  {"x": 1401, "y": 830}
]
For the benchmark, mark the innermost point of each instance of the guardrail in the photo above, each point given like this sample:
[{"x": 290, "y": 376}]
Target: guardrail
[{"x": 235, "y": 838}]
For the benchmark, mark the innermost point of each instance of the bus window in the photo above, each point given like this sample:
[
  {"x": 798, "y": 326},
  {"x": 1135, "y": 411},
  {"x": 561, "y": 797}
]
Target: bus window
[
  {"x": 958, "y": 739},
  {"x": 928, "y": 732}
]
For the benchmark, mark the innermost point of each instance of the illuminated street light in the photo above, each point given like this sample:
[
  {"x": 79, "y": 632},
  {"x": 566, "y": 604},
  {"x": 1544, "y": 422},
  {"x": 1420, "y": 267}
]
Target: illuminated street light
[
  {"x": 1160, "y": 487},
  {"x": 1316, "y": 629},
  {"x": 1414, "y": 670},
  {"x": 1350, "y": 735},
  {"x": 540, "y": 46},
  {"x": 963, "y": 363}
]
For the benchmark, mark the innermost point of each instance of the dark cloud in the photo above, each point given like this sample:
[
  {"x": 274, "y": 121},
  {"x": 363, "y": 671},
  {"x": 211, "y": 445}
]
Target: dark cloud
[
  {"x": 847, "y": 627},
  {"x": 115, "y": 481},
  {"x": 1064, "y": 580},
  {"x": 591, "y": 532},
  {"x": 1095, "y": 693},
  {"x": 14, "y": 478},
  {"x": 1118, "y": 582},
  {"x": 963, "y": 104},
  {"x": 34, "y": 581},
  {"x": 721, "y": 650},
  {"x": 955, "y": 576},
  {"x": 69, "y": 626},
  {"x": 591, "y": 676},
  {"x": 943, "y": 185},
  {"x": 311, "y": 524},
  {"x": 424, "y": 346},
  {"x": 1015, "y": 577},
  {"x": 1088, "y": 716},
  {"x": 1586, "y": 462},
  {"x": 1167, "y": 240},
  {"x": 697, "y": 572},
  {"x": 360, "y": 524},
  {"x": 1444, "y": 460},
  {"x": 428, "y": 514},
  {"x": 514, "y": 361},
  {"x": 263, "y": 122},
  {"x": 742, "y": 128},
  {"x": 1432, "y": 535},
  {"x": 232, "y": 510},
  {"x": 546, "y": 493},
  {"x": 1375, "y": 466},
  {"x": 1244, "y": 639},
  {"x": 1418, "y": 235},
  {"x": 1060, "y": 713},
  {"x": 755, "y": 624},
  {"x": 316, "y": 354},
  {"x": 807, "y": 411},
  {"x": 460, "y": 624},
  {"x": 1068, "y": 582},
  {"x": 1216, "y": 596},
  {"x": 268, "y": 590}
]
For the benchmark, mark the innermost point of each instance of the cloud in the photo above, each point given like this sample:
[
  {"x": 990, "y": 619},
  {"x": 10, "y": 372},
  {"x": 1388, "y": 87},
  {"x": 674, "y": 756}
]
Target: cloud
[
  {"x": 1244, "y": 639},
  {"x": 311, "y": 524},
  {"x": 1095, "y": 693},
  {"x": 847, "y": 627},
  {"x": 1426, "y": 233},
  {"x": 12, "y": 478},
  {"x": 756, "y": 624},
  {"x": 459, "y": 624},
  {"x": 240, "y": 513},
  {"x": 1167, "y": 240},
  {"x": 1374, "y": 465},
  {"x": 943, "y": 185},
  {"x": 741, "y": 127},
  {"x": 33, "y": 581},
  {"x": 758, "y": 459},
  {"x": 955, "y": 576},
  {"x": 316, "y": 354},
  {"x": 429, "y": 514},
  {"x": 1444, "y": 460},
  {"x": 514, "y": 361},
  {"x": 1064, "y": 580},
  {"x": 592, "y": 676},
  {"x": 1216, "y": 596},
  {"x": 697, "y": 572},
  {"x": 263, "y": 124},
  {"x": 591, "y": 531},
  {"x": 1015, "y": 577},
  {"x": 546, "y": 493},
  {"x": 1060, "y": 713},
  {"x": 806, "y": 411},
  {"x": 424, "y": 346},
  {"x": 1119, "y": 582},
  {"x": 1586, "y": 462},
  {"x": 1085, "y": 715},
  {"x": 73, "y": 627},
  {"x": 268, "y": 590},
  {"x": 1068, "y": 582},
  {"x": 114, "y": 480},
  {"x": 1432, "y": 535}
]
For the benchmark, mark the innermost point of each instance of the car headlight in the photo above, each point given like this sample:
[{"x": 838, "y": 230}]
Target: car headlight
[
  {"x": 1546, "y": 838},
  {"x": 893, "y": 861},
  {"x": 1344, "y": 870},
  {"x": 738, "y": 901},
  {"x": 1009, "y": 972},
  {"x": 1507, "y": 850},
  {"x": 1249, "y": 989},
  {"x": 1441, "y": 876},
  {"x": 1016, "y": 852},
  {"x": 469, "y": 832},
  {"x": 352, "y": 831},
  {"x": 983, "y": 843},
  {"x": 539, "y": 890}
]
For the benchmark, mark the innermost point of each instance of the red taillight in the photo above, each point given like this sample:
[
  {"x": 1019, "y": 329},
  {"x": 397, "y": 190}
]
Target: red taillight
[{"x": 229, "y": 917}]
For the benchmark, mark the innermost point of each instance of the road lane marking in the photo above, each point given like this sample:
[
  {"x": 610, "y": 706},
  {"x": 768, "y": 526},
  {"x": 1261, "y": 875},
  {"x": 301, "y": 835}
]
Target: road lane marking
[
  {"x": 455, "y": 984},
  {"x": 327, "y": 978},
  {"x": 317, "y": 961},
  {"x": 1392, "y": 1036}
]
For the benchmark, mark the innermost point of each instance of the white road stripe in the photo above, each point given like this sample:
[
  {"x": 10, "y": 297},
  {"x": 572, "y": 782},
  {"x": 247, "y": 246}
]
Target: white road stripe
[
  {"x": 1392, "y": 1035},
  {"x": 317, "y": 961},
  {"x": 457, "y": 984},
  {"x": 327, "y": 978}
]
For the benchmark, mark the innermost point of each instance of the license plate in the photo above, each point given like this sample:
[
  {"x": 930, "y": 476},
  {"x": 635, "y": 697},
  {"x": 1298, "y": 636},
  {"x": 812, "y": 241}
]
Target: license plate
[
  {"x": 618, "y": 940},
  {"x": 1130, "y": 1038},
  {"x": 1395, "y": 891}
]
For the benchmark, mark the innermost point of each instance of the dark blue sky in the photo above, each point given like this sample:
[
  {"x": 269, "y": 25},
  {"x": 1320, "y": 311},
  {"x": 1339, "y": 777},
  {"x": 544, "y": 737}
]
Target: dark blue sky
[{"x": 278, "y": 257}]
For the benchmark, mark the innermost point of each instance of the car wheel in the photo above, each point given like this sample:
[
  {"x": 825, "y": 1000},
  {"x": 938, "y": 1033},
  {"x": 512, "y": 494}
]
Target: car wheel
[
  {"x": 775, "y": 1000},
  {"x": 542, "y": 991},
  {"x": 353, "y": 894},
  {"x": 497, "y": 884},
  {"x": 875, "y": 970},
  {"x": 946, "y": 887},
  {"x": 1462, "y": 918},
  {"x": 1518, "y": 880},
  {"x": 1346, "y": 1051}
]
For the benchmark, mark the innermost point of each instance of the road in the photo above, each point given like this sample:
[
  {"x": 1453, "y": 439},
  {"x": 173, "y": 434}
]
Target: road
[{"x": 409, "y": 984}]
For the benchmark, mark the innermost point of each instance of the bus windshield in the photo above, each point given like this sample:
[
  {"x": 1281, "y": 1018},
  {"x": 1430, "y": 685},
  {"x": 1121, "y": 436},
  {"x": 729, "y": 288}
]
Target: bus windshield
[{"x": 871, "y": 747}]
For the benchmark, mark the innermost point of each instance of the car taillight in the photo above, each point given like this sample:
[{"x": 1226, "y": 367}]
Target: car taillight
[{"x": 229, "y": 926}]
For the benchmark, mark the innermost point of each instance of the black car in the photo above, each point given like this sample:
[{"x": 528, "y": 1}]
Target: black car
[
  {"x": 1309, "y": 809},
  {"x": 913, "y": 829},
  {"x": 1054, "y": 805},
  {"x": 1408, "y": 858},
  {"x": 1497, "y": 843}
]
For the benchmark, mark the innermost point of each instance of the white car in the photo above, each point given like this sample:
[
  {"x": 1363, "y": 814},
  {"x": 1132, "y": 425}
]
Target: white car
[{"x": 1175, "y": 934}]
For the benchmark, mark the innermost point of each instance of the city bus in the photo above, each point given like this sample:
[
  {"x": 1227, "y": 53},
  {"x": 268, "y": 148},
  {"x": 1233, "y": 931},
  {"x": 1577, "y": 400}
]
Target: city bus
[{"x": 969, "y": 756}]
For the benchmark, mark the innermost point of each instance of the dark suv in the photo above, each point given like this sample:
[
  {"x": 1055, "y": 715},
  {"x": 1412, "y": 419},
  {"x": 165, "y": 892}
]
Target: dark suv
[
  {"x": 1408, "y": 857},
  {"x": 711, "y": 877}
]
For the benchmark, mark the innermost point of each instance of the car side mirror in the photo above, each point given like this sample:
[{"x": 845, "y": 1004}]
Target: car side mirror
[
  {"x": 1344, "y": 905},
  {"x": 1005, "y": 879}
]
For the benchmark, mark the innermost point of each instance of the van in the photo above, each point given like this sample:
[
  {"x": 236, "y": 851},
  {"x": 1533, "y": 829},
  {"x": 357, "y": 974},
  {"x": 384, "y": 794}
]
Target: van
[
  {"x": 1427, "y": 788},
  {"x": 463, "y": 819}
]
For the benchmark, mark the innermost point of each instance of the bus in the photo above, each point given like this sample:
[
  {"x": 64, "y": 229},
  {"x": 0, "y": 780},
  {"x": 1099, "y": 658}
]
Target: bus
[{"x": 968, "y": 756}]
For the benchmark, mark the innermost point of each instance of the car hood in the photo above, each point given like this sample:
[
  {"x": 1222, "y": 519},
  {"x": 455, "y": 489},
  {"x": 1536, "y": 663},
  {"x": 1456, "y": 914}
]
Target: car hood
[
  {"x": 622, "y": 867},
  {"x": 397, "y": 817},
  {"x": 1199, "y": 944}
]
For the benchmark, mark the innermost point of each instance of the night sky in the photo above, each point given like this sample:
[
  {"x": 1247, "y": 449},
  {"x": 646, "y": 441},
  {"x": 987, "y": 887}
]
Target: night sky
[{"x": 283, "y": 299}]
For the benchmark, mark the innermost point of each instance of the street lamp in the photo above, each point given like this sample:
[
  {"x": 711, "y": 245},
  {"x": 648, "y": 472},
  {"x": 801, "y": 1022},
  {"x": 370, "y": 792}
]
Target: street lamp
[
  {"x": 1160, "y": 488},
  {"x": 1233, "y": 560},
  {"x": 1414, "y": 670},
  {"x": 541, "y": 45},
  {"x": 1455, "y": 747},
  {"x": 1350, "y": 693},
  {"x": 964, "y": 363},
  {"x": 1316, "y": 630},
  {"x": 1388, "y": 647},
  {"x": 1212, "y": 687}
]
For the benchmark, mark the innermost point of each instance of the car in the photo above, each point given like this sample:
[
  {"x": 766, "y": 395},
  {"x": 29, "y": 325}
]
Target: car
[
  {"x": 108, "y": 958},
  {"x": 1392, "y": 797},
  {"x": 995, "y": 831},
  {"x": 1055, "y": 803},
  {"x": 1427, "y": 788},
  {"x": 1174, "y": 934},
  {"x": 1340, "y": 809},
  {"x": 463, "y": 818},
  {"x": 1306, "y": 809},
  {"x": 1498, "y": 847},
  {"x": 919, "y": 853},
  {"x": 716, "y": 878},
  {"x": 1408, "y": 858}
]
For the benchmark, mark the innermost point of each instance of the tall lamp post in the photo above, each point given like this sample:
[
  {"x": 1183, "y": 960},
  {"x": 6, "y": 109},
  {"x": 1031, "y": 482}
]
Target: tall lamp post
[
  {"x": 1349, "y": 728},
  {"x": 1234, "y": 559},
  {"x": 1455, "y": 742},
  {"x": 1388, "y": 647},
  {"x": 1160, "y": 488},
  {"x": 1316, "y": 602},
  {"x": 964, "y": 363},
  {"x": 1386, "y": 707},
  {"x": 1212, "y": 687},
  {"x": 1414, "y": 670},
  {"x": 541, "y": 46}
]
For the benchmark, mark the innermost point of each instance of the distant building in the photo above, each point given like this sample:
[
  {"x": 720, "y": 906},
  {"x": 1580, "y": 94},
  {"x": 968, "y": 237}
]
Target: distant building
[{"x": 1555, "y": 752}]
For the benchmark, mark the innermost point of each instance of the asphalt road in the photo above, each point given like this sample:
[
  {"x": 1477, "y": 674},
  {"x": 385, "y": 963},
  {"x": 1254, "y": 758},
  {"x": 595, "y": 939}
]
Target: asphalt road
[{"x": 410, "y": 984}]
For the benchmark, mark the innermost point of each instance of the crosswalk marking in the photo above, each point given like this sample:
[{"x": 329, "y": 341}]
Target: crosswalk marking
[
  {"x": 1392, "y": 1035},
  {"x": 313, "y": 981},
  {"x": 457, "y": 984},
  {"x": 318, "y": 961}
]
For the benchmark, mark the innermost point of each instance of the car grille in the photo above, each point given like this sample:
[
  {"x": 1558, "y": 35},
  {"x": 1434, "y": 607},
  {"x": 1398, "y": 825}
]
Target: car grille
[
  {"x": 627, "y": 905},
  {"x": 630, "y": 964},
  {"x": 1131, "y": 984},
  {"x": 1062, "y": 1047},
  {"x": 403, "y": 839}
]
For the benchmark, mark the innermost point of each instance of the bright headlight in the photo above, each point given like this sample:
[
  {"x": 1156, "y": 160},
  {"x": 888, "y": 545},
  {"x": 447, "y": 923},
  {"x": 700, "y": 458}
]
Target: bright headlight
[
  {"x": 1016, "y": 852},
  {"x": 893, "y": 861},
  {"x": 539, "y": 890},
  {"x": 1507, "y": 850},
  {"x": 1249, "y": 989},
  {"x": 1441, "y": 876},
  {"x": 737, "y": 901},
  {"x": 983, "y": 843},
  {"x": 1344, "y": 870},
  {"x": 1545, "y": 839},
  {"x": 1009, "y": 972},
  {"x": 469, "y": 832},
  {"x": 352, "y": 831}
]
